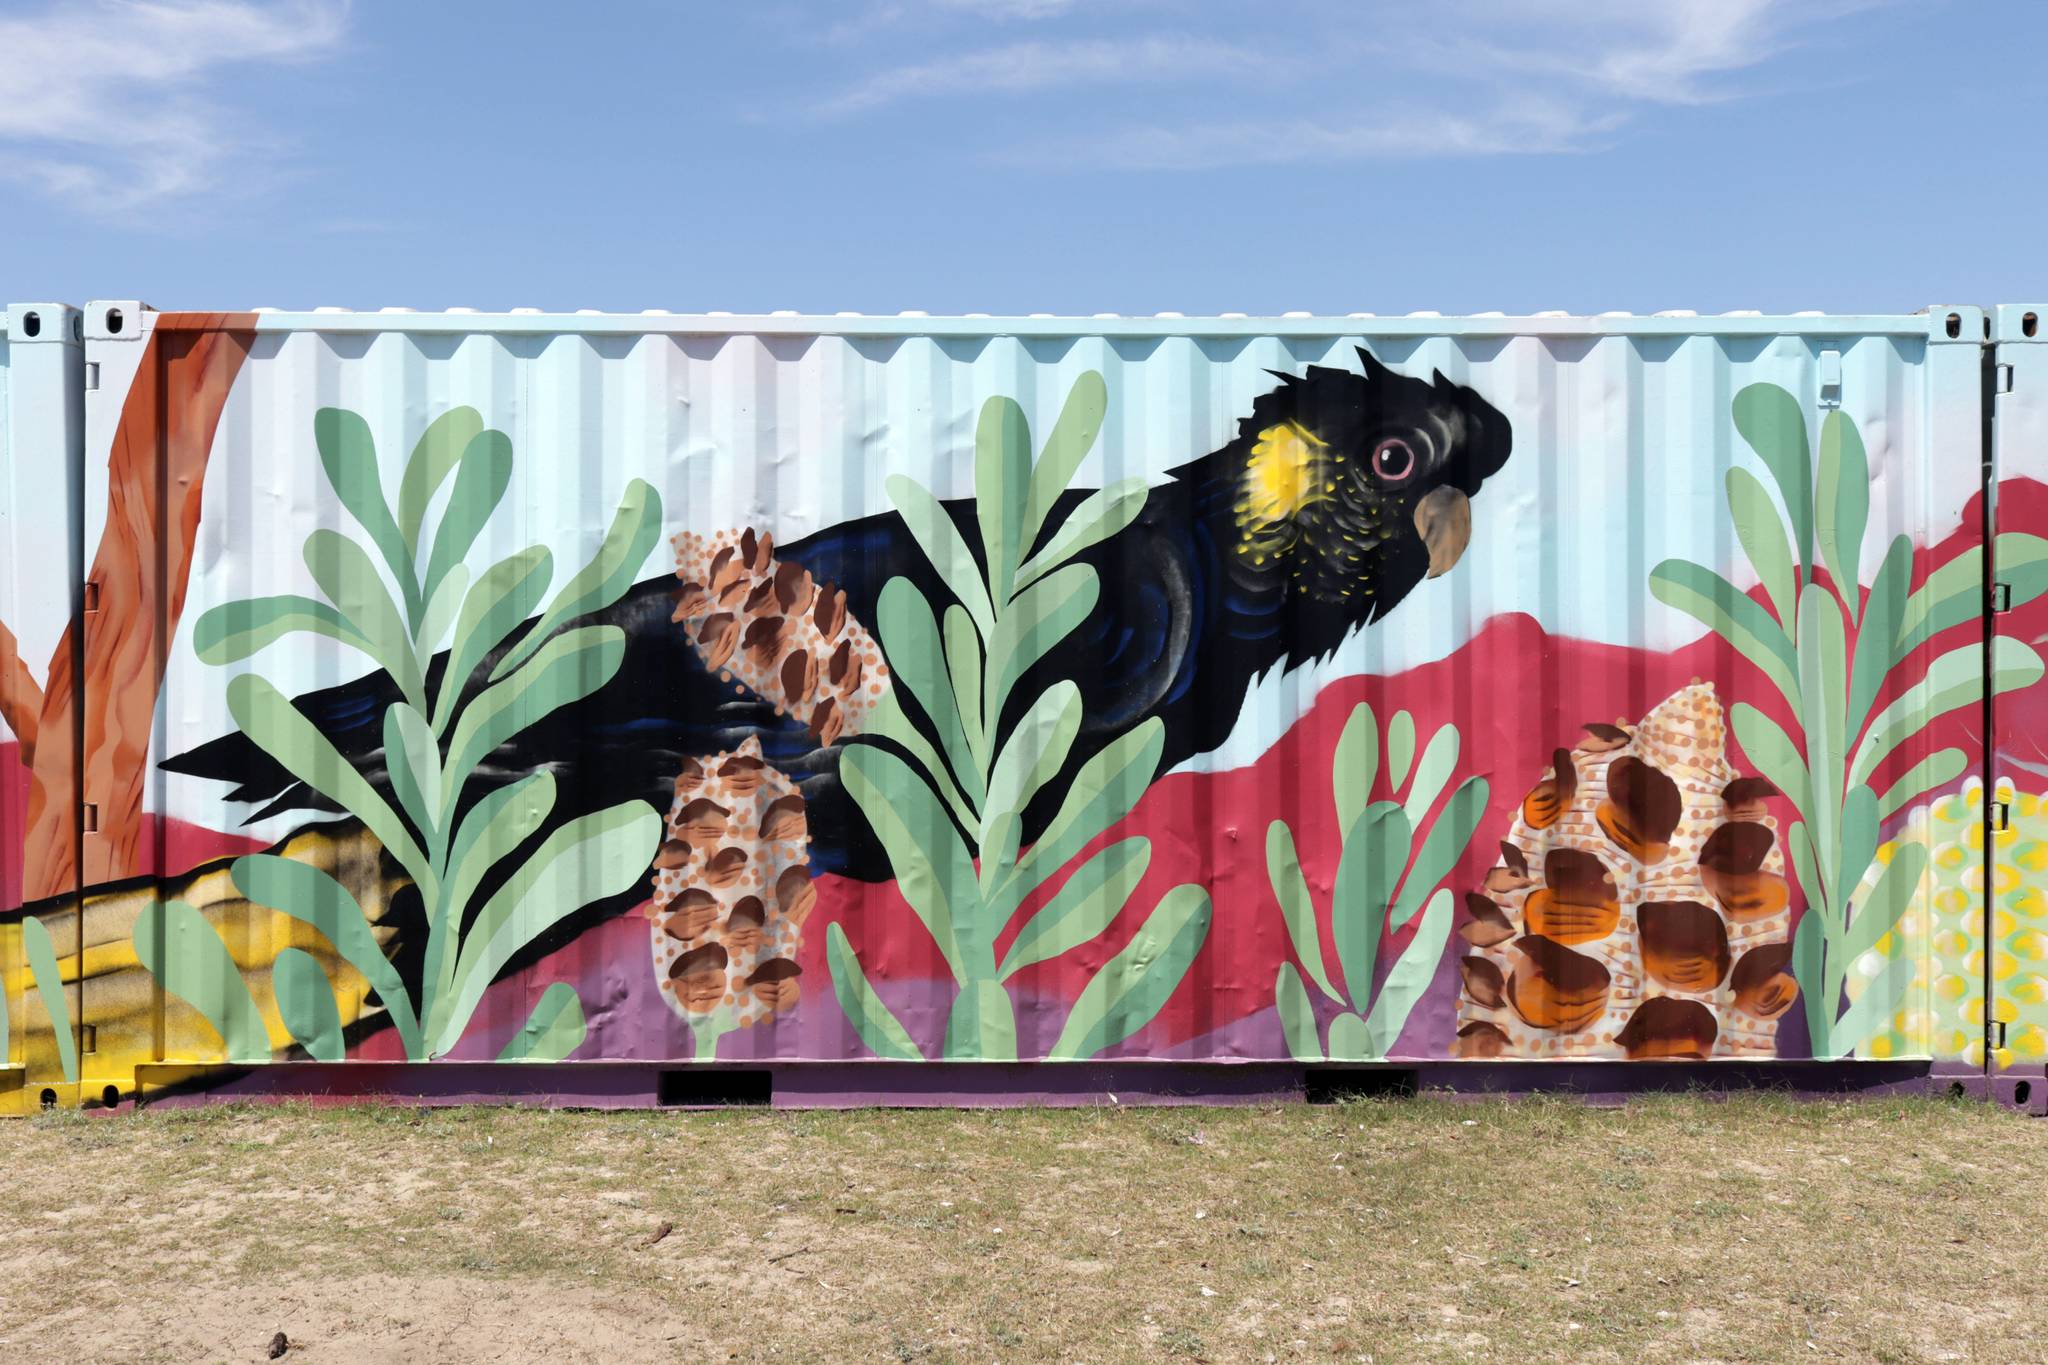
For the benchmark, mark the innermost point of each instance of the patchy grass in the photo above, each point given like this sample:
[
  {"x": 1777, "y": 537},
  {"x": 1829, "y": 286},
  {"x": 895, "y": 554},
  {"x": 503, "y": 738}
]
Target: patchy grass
[{"x": 1672, "y": 1229}]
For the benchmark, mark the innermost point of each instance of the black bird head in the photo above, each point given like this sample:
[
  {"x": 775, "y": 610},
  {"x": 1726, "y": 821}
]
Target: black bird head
[{"x": 1350, "y": 488}]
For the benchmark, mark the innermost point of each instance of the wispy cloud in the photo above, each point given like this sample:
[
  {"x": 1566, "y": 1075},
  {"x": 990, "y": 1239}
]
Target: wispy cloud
[
  {"x": 1526, "y": 127},
  {"x": 114, "y": 104},
  {"x": 1457, "y": 78},
  {"x": 1022, "y": 68}
]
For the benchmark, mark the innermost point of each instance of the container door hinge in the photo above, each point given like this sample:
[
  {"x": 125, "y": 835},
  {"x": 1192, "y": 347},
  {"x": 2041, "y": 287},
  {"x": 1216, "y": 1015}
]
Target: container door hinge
[
  {"x": 1994, "y": 1029},
  {"x": 90, "y": 597},
  {"x": 2001, "y": 815},
  {"x": 2002, "y": 377},
  {"x": 2001, "y": 598},
  {"x": 89, "y": 814},
  {"x": 92, "y": 375}
]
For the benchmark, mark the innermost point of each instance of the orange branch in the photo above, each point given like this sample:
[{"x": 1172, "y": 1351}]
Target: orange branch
[{"x": 21, "y": 701}]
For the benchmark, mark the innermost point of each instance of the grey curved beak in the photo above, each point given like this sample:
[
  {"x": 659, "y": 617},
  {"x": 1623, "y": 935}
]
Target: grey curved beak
[{"x": 1444, "y": 521}]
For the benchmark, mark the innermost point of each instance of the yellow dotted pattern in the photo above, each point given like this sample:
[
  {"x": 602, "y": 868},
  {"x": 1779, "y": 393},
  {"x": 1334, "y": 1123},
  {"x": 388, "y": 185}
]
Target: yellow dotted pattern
[{"x": 1942, "y": 1011}]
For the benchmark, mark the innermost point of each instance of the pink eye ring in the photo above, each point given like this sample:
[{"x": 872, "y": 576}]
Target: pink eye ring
[{"x": 1393, "y": 460}]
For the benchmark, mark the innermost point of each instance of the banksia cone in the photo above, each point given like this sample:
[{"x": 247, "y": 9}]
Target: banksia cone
[
  {"x": 731, "y": 889},
  {"x": 769, "y": 627},
  {"x": 1639, "y": 907}
]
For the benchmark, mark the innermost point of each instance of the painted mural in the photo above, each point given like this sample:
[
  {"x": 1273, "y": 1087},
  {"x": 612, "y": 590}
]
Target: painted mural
[{"x": 968, "y": 712}]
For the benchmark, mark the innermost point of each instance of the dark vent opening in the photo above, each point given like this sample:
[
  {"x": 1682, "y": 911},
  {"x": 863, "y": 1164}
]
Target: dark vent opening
[
  {"x": 32, "y": 324},
  {"x": 705, "y": 1089},
  {"x": 1955, "y": 324},
  {"x": 2030, "y": 323},
  {"x": 111, "y": 1097},
  {"x": 49, "y": 1099},
  {"x": 1366, "y": 1083},
  {"x": 2022, "y": 1092}
]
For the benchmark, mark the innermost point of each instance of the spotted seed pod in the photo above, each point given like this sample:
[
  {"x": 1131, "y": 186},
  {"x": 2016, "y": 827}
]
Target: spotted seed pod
[
  {"x": 769, "y": 628},
  {"x": 732, "y": 888},
  {"x": 1639, "y": 906}
]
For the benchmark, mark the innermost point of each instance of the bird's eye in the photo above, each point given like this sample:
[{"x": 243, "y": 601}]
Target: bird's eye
[{"x": 1393, "y": 460}]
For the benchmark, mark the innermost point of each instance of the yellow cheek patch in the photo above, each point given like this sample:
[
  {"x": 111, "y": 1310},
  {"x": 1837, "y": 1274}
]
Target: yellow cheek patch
[{"x": 1283, "y": 476}]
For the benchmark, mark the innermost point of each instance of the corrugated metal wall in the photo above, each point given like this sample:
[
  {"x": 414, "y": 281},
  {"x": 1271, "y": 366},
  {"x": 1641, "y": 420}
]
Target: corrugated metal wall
[{"x": 1638, "y": 447}]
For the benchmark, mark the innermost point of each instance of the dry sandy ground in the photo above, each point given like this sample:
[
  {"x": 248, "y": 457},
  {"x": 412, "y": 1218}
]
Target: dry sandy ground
[{"x": 1675, "y": 1229}]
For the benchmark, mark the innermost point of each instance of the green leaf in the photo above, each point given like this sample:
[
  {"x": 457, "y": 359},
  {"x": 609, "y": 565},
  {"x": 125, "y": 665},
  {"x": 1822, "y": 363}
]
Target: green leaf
[
  {"x": 982, "y": 1026},
  {"x": 349, "y": 456},
  {"x": 1773, "y": 423},
  {"x": 1099, "y": 516},
  {"x": 305, "y": 1001},
  {"x": 42, "y": 965},
  {"x": 2022, "y": 562},
  {"x": 1297, "y": 904},
  {"x": 1089, "y": 902},
  {"x": 1408, "y": 979},
  {"x": 1858, "y": 845},
  {"x": 440, "y": 610},
  {"x": 1824, "y": 681},
  {"x": 934, "y": 873},
  {"x": 311, "y": 896},
  {"x": 1439, "y": 758},
  {"x": 588, "y": 859},
  {"x": 433, "y": 456},
  {"x": 1134, "y": 986},
  {"x": 491, "y": 831},
  {"x": 1443, "y": 846},
  {"x": 1718, "y": 605},
  {"x": 939, "y": 538},
  {"x": 1002, "y": 487},
  {"x": 1761, "y": 529},
  {"x": 963, "y": 667},
  {"x": 1400, "y": 748},
  {"x": 1770, "y": 751},
  {"x": 567, "y": 669},
  {"x": 1843, "y": 508},
  {"x": 1102, "y": 793},
  {"x": 888, "y": 721},
  {"x": 871, "y": 1019},
  {"x": 504, "y": 596},
  {"x": 233, "y": 631},
  {"x": 481, "y": 478},
  {"x": 1376, "y": 852},
  {"x": 1037, "y": 619},
  {"x": 555, "y": 1029},
  {"x": 635, "y": 528},
  {"x": 1878, "y": 913},
  {"x": 1954, "y": 679},
  {"x": 1799, "y": 843},
  {"x": 1952, "y": 595},
  {"x": 1809, "y": 950},
  {"x": 1874, "y": 638},
  {"x": 1072, "y": 437},
  {"x": 1350, "y": 1039},
  {"x": 269, "y": 719},
  {"x": 1297, "y": 1015},
  {"x": 1357, "y": 764},
  {"x": 1938, "y": 769},
  {"x": 351, "y": 581},
  {"x": 414, "y": 762},
  {"x": 182, "y": 951},
  {"x": 910, "y": 637},
  {"x": 1035, "y": 751}
]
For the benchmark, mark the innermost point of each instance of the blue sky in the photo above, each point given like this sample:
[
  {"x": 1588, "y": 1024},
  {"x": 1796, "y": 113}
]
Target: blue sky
[{"x": 1067, "y": 156}]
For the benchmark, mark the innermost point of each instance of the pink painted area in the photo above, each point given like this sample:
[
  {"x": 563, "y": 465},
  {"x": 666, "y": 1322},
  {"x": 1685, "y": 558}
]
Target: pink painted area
[
  {"x": 175, "y": 847},
  {"x": 13, "y": 810}
]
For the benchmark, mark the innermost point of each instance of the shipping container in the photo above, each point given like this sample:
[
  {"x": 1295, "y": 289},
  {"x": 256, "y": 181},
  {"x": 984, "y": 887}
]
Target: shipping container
[{"x": 652, "y": 707}]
